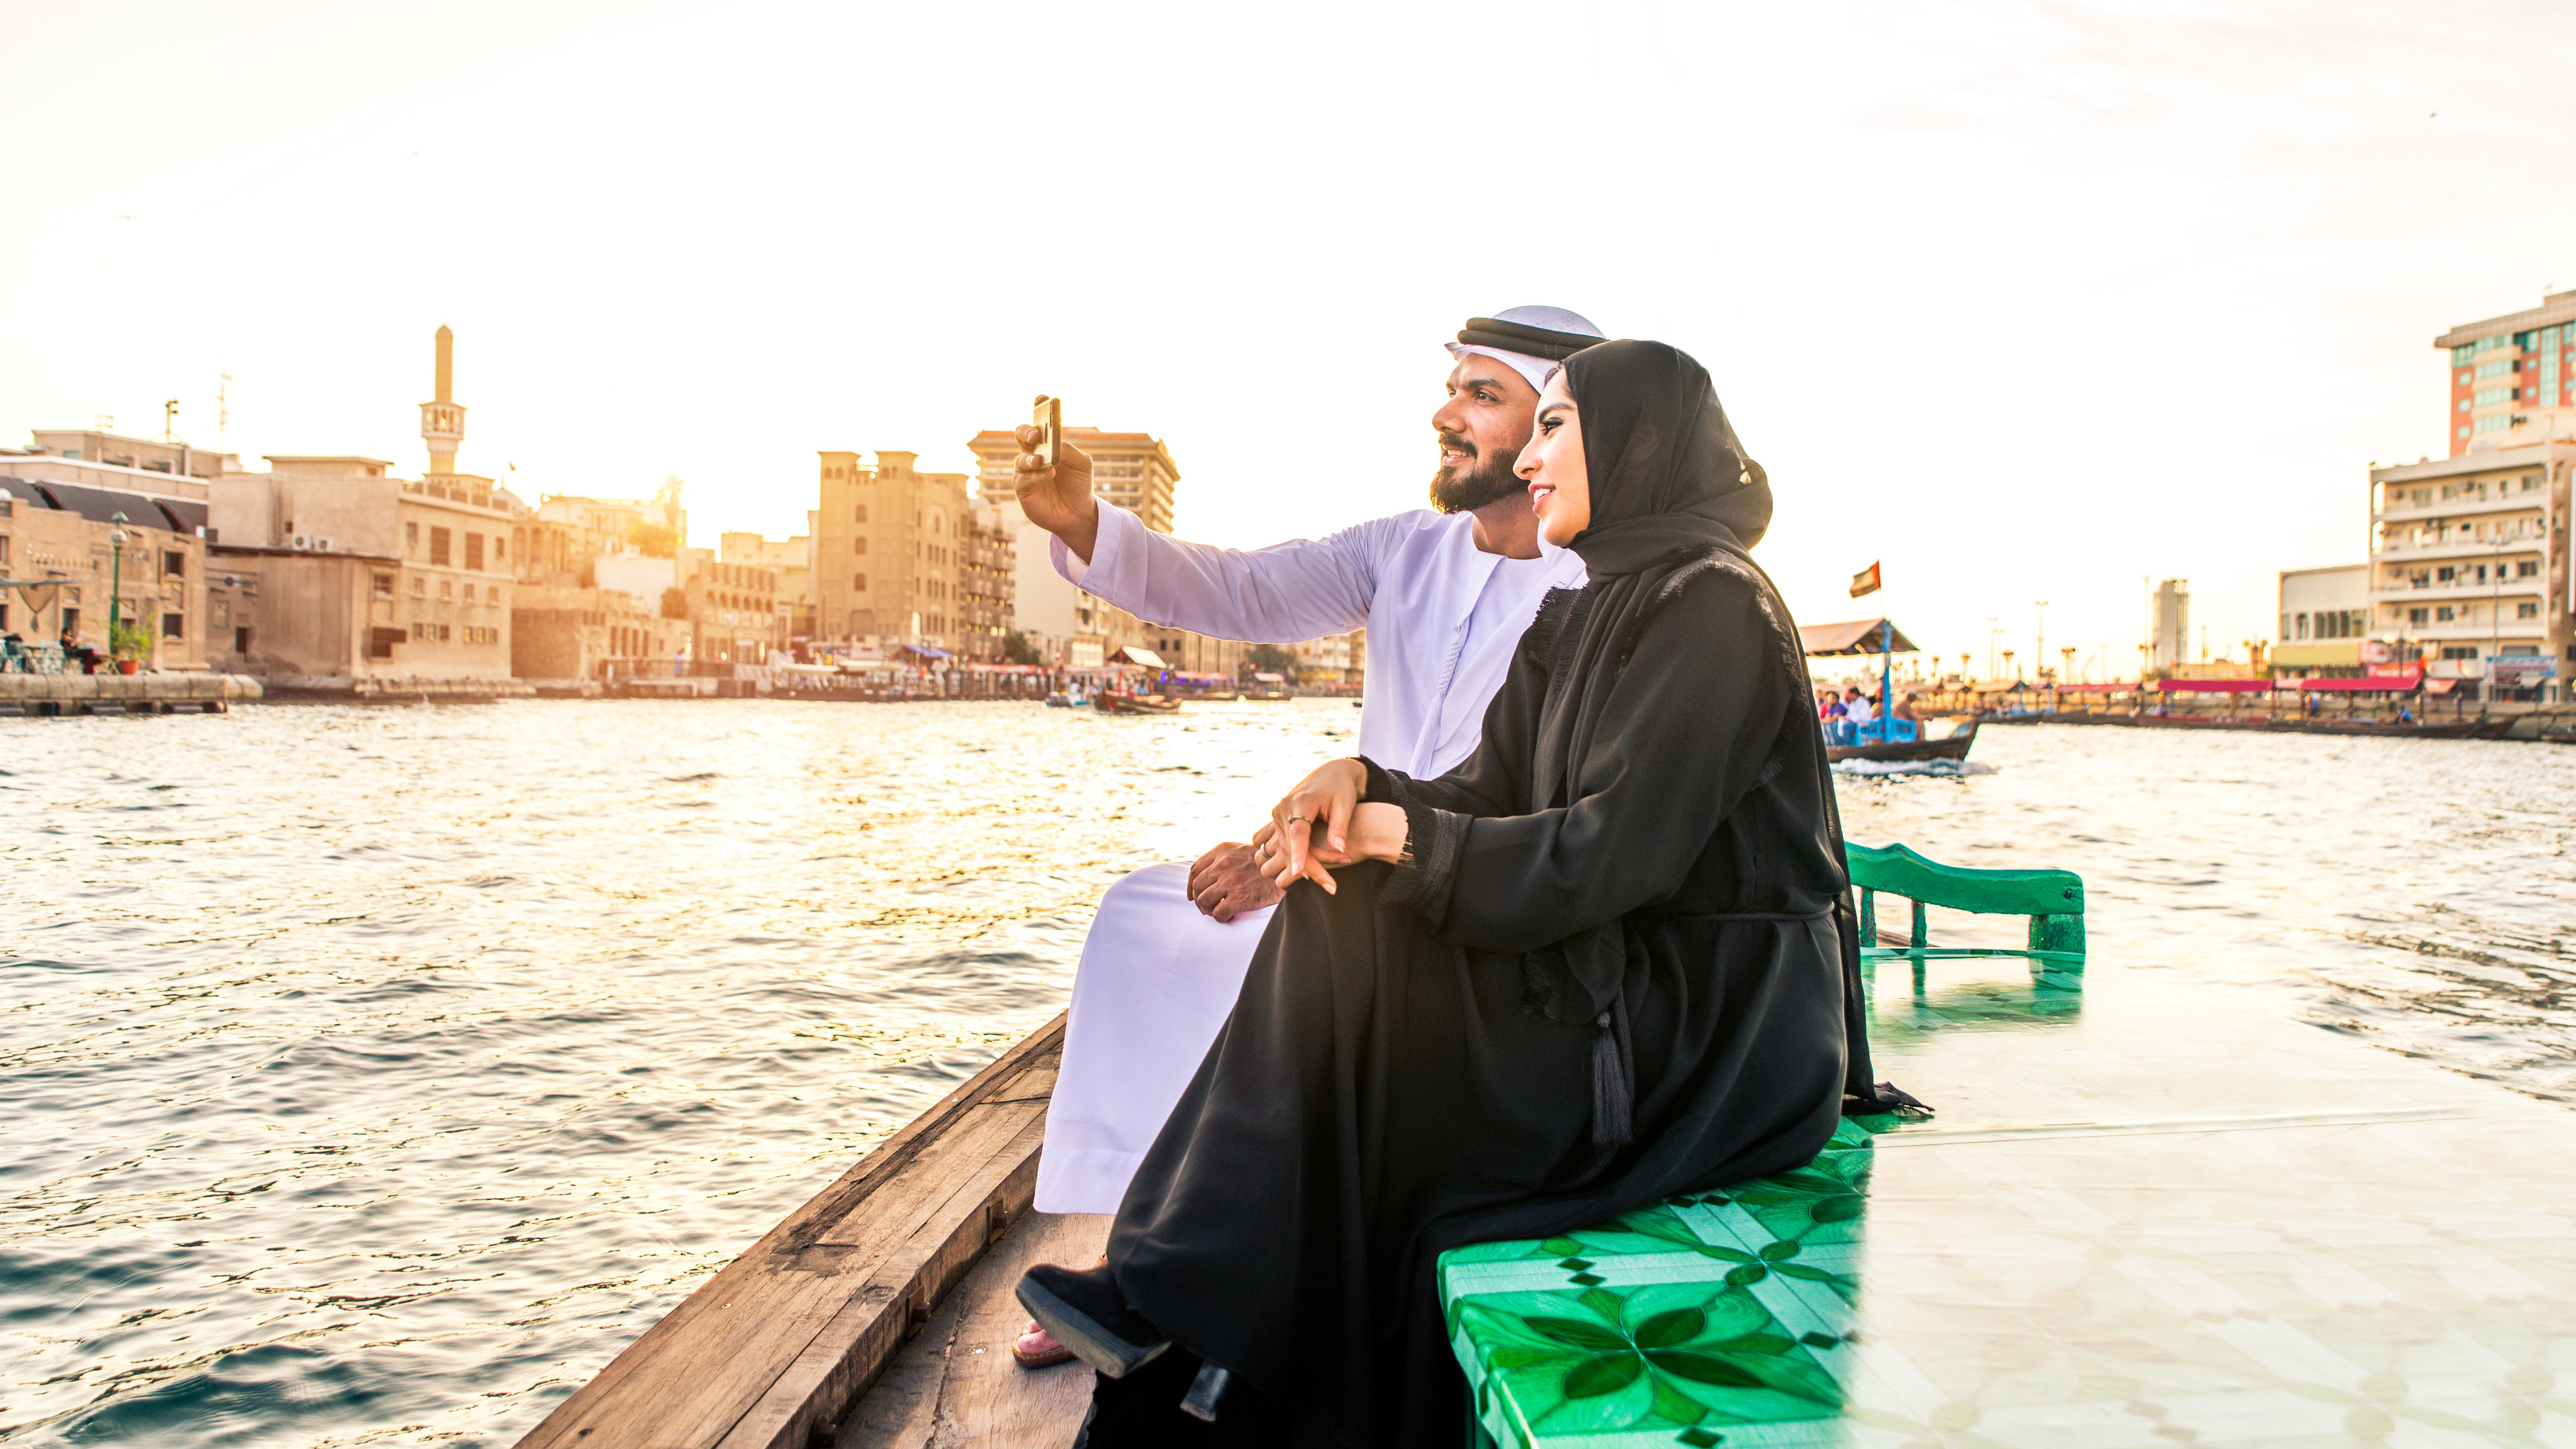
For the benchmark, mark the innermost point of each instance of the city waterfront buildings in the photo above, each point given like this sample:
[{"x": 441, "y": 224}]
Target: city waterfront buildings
[
  {"x": 2506, "y": 372},
  {"x": 2468, "y": 560},
  {"x": 2325, "y": 616}
]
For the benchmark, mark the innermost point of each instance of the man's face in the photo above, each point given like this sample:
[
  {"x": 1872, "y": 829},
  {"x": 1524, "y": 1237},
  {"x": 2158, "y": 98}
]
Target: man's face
[{"x": 1483, "y": 426}]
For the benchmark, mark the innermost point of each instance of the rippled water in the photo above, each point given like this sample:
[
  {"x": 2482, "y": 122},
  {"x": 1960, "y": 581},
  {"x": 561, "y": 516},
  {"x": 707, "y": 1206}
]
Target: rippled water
[{"x": 374, "y": 1075}]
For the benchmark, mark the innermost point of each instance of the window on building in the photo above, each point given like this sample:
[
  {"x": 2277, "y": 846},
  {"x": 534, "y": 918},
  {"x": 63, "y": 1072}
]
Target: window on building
[
  {"x": 411, "y": 538},
  {"x": 438, "y": 546},
  {"x": 2527, "y": 569},
  {"x": 474, "y": 551},
  {"x": 2302, "y": 624},
  {"x": 859, "y": 545},
  {"x": 2447, "y": 573},
  {"x": 2444, "y": 614},
  {"x": 174, "y": 562},
  {"x": 447, "y": 588},
  {"x": 241, "y": 640},
  {"x": 2527, "y": 609},
  {"x": 500, "y": 548},
  {"x": 174, "y": 626},
  {"x": 4, "y": 549},
  {"x": 469, "y": 593},
  {"x": 384, "y": 586},
  {"x": 863, "y": 513},
  {"x": 419, "y": 587},
  {"x": 859, "y": 584}
]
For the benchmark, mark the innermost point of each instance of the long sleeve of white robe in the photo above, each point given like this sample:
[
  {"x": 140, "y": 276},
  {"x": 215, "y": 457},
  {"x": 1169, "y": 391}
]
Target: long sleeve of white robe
[{"x": 1414, "y": 580}]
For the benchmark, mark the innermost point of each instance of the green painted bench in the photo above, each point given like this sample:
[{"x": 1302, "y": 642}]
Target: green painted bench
[
  {"x": 2053, "y": 899},
  {"x": 1674, "y": 1324},
  {"x": 1721, "y": 1317}
]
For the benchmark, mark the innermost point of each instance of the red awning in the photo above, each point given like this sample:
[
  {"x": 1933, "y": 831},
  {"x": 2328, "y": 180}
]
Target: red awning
[
  {"x": 2214, "y": 686},
  {"x": 2366, "y": 684},
  {"x": 2114, "y": 688},
  {"x": 2442, "y": 686}
]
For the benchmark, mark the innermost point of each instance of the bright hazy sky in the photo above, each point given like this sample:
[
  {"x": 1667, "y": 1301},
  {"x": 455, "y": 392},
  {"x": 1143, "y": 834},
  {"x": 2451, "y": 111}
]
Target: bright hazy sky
[{"x": 2029, "y": 300}]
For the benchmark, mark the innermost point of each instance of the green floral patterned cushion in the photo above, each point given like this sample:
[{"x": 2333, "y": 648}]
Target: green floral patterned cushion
[{"x": 1689, "y": 1322}]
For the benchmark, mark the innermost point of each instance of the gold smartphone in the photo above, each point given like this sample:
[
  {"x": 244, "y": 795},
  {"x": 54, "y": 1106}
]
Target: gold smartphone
[{"x": 1048, "y": 418}]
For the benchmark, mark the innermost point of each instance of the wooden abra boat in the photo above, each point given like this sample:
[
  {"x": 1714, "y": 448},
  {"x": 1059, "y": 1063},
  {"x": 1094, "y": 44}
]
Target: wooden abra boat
[
  {"x": 1123, "y": 701},
  {"x": 1900, "y": 739},
  {"x": 2135, "y": 1221}
]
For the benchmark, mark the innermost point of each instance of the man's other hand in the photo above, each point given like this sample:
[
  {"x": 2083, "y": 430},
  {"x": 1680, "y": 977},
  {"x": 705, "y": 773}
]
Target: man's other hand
[
  {"x": 1227, "y": 882},
  {"x": 1057, "y": 499}
]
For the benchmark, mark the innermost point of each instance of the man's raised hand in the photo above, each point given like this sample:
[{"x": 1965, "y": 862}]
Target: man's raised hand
[
  {"x": 1057, "y": 499},
  {"x": 1227, "y": 882}
]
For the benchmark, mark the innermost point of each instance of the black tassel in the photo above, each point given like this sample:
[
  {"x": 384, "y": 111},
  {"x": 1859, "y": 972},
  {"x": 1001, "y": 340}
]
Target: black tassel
[{"x": 1613, "y": 1094}]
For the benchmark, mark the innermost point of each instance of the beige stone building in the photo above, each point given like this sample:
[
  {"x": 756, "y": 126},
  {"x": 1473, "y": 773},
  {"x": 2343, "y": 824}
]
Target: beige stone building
[
  {"x": 792, "y": 559},
  {"x": 67, "y": 549},
  {"x": 733, "y": 613},
  {"x": 891, "y": 553},
  {"x": 340, "y": 570}
]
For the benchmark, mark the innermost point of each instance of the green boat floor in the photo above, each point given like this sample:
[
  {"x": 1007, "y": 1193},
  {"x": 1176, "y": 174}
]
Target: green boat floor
[{"x": 2149, "y": 1213}]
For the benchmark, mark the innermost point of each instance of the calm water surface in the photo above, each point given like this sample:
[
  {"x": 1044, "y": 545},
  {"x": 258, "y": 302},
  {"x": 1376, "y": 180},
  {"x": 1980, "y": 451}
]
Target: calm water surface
[{"x": 374, "y": 1075}]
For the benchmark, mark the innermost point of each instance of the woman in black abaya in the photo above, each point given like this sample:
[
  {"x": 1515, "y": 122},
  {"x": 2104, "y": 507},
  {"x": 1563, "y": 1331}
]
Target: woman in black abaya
[{"x": 1608, "y": 959}]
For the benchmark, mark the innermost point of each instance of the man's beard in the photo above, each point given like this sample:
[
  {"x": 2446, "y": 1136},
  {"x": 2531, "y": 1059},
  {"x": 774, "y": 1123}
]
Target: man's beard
[{"x": 1487, "y": 479}]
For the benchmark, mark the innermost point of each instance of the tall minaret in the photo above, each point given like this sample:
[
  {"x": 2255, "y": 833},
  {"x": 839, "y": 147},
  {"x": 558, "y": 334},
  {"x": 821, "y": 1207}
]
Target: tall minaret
[{"x": 442, "y": 420}]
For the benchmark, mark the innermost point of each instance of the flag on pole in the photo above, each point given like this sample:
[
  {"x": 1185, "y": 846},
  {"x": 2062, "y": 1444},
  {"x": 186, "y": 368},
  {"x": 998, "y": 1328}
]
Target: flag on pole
[{"x": 1865, "y": 582}]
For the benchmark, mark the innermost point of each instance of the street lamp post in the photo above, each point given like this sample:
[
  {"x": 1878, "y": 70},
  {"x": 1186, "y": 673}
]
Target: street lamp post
[{"x": 116, "y": 581}]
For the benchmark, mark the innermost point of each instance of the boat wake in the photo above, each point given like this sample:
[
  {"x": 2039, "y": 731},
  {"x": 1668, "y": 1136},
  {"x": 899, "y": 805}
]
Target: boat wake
[{"x": 1933, "y": 769}]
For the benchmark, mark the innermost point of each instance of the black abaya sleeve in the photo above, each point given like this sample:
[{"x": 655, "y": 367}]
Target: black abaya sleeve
[{"x": 1692, "y": 725}]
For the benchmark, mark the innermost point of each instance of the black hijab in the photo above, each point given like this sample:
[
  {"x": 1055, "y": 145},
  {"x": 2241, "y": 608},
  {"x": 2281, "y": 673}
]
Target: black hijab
[{"x": 1673, "y": 494}]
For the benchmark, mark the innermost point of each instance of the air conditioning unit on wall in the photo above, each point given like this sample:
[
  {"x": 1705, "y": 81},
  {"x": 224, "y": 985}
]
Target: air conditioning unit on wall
[
  {"x": 301, "y": 543},
  {"x": 321, "y": 545}
]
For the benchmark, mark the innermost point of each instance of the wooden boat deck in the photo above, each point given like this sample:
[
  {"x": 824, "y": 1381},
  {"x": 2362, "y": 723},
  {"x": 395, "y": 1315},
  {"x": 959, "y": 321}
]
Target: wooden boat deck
[{"x": 773, "y": 1351}]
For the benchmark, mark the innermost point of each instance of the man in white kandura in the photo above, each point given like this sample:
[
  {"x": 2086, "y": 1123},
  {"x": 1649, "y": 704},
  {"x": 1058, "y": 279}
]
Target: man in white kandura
[{"x": 1445, "y": 596}]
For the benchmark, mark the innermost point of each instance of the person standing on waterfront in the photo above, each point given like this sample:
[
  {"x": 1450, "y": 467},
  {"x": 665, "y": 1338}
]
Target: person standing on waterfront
[{"x": 1444, "y": 593}]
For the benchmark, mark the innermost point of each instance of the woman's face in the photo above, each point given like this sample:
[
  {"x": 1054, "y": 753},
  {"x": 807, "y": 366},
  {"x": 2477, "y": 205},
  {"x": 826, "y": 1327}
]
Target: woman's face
[{"x": 1552, "y": 465}]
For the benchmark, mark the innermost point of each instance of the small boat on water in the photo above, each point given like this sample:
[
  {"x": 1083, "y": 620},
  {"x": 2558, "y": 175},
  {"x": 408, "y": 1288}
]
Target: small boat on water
[
  {"x": 1883, "y": 738},
  {"x": 1125, "y": 701},
  {"x": 1267, "y": 686},
  {"x": 1067, "y": 699},
  {"x": 1900, "y": 740}
]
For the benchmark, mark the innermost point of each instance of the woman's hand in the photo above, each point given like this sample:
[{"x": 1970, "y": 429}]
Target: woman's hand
[
  {"x": 1322, "y": 824},
  {"x": 1316, "y": 815}
]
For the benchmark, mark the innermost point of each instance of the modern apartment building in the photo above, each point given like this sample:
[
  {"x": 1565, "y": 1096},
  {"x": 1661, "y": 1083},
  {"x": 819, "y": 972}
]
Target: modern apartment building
[
  {"x": 1133, "y": 471},
  {"x": 2468, "y": 559},
  {"x": 2505, "y": 370},
  {"x": 985, "y": 582},
  {"x": 890, "y": 552}
]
